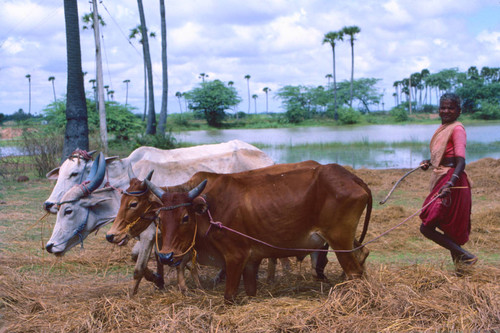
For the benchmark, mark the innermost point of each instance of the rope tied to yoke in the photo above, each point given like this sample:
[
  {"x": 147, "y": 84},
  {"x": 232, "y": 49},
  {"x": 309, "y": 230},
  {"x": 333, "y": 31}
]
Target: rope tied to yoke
[{"x": 220, "y": 225}]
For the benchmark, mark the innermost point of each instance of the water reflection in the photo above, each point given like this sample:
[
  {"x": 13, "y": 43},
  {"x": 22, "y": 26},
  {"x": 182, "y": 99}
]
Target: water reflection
[{"x": 280, "y": 143}]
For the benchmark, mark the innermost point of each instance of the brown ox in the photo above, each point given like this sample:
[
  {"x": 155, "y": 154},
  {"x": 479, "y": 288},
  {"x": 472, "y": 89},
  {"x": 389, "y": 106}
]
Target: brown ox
[
  {"x": 138, "y": 207},
  {"x": 290, "y": 209}
]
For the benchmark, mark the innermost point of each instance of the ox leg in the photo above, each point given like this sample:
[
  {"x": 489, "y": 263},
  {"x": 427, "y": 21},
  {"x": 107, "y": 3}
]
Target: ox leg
[
  {"x": 271, "y": 269},
  {"x": 348, "y": 261},
  {"x": 234, "y": 269},
  {"x": 195, "y": 275},
  {"x": 181, "y": 279},
  {"x": 250, "y": 277},
  {"x": 318, "y": 262},
  {"x": 140, "y": 269}
]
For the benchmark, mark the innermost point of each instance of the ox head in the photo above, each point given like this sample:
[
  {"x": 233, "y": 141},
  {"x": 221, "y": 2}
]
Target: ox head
[
  {"x": 136, "y": 210},
  {"x": 82, "y": 210},
  {"x": 177, "y": 221},
  {"x": 72, "y": 172}
]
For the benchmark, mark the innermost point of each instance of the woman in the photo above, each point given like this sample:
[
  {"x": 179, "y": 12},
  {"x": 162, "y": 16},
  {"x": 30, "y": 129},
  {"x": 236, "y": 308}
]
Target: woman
[{"x": 451, "y": 211}]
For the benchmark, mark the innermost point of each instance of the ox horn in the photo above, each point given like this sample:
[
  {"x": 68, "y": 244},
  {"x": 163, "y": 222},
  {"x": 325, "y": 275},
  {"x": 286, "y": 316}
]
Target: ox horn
[
  {"x": 197, "y": 190},
  {"x": 148, "y": 177},
  {"x": 96, "y": 181},
  {"x": 131, "y": 173},
  {"x": 93, "y": 169},
  {"x": 155, "y": 189}
]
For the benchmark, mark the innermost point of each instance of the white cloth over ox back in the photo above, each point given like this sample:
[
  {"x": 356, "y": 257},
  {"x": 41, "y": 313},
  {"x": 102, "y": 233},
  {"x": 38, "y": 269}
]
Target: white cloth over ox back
[{"x": 78, "y": 214}]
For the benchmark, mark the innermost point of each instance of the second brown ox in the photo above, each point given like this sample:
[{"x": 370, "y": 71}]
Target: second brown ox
[{"x": 288, "y": 209}]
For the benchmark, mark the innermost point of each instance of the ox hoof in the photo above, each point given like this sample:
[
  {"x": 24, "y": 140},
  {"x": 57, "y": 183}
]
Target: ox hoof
[{"x": 158, "y": 281}]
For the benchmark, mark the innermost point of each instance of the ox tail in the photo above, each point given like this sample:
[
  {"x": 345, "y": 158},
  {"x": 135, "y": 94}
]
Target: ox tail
[{"x": 369, "y": 206}]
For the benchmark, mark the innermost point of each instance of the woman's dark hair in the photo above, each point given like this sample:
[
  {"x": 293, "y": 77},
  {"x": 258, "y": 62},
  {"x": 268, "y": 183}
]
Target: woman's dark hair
[{"x": 451, "y": 97}]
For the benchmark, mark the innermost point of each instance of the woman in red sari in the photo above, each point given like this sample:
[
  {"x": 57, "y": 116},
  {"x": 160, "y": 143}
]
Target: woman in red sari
[{"x": 451, "y": 211}]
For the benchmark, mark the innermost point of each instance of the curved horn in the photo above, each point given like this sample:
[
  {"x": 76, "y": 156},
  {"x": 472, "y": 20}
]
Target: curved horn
[
  {"x": 197, "y": 190},
  {"x": 93, "y": 169},
  {"x": 96, "y": 181},
  {"x": 155, "y": 189},
  {"x": 131, "y": 173},
  {"x": 92, "y": 152},
  {"x": 148, "y": 177}
]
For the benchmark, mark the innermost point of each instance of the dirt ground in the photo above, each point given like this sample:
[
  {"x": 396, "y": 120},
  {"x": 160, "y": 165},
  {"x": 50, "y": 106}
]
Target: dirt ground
[{"x": 410, "y": 283}]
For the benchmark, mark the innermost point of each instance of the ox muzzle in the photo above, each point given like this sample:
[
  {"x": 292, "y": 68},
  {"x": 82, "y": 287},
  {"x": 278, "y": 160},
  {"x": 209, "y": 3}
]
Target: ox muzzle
[{"x": 168, "y": 259}]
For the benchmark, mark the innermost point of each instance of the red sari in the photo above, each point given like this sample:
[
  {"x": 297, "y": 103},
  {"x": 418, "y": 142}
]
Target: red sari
[{"x": 452, "y": 213}]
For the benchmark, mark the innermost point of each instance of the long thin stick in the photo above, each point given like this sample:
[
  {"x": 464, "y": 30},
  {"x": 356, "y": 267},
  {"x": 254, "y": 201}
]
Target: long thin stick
[{"x": 397, "y": 183}]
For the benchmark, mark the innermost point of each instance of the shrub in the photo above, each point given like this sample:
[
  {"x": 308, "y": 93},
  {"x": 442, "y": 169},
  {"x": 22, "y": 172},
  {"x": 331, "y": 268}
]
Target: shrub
[
  {"x": 166, "y": 141},
  {"x": 349, "y": 116},
  {"x": 399, "y": 114},
  {"x": 44, "y": 148},
  {"x": 488, "y": 111}
]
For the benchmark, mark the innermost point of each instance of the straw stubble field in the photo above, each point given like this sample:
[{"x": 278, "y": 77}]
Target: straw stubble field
[{"x": 410, "y": 283}]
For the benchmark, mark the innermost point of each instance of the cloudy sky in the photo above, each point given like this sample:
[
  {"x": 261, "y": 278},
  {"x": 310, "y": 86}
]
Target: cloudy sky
[{"x": 276, "y": 42}]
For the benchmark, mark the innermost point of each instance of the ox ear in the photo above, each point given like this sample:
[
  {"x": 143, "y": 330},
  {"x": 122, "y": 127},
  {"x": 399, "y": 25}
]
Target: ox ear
[
  {"x": 53, "y": 174},
  {"x": 111, "y": 159},
  {"x": 200, "y": 206},
  {"x": 95, "y": 199}
]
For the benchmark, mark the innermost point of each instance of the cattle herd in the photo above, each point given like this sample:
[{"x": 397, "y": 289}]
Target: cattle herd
[{"x": 225, "y": 205}]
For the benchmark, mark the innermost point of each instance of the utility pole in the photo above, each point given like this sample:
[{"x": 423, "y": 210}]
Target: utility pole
[{"x": 99, "y": 79}]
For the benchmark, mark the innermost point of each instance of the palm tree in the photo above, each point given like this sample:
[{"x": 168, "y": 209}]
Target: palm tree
[
  {"x": 230, "y": 83},
  {"x": 94, "y": 89},
  {"x": 179, "y": 96},
  {"x": 254, "y": 96},
  {"x": 202, "y": 77},
  {"x": 135, "y": 33},
  {"x": 151, "y": 123},
  {"x": 396, "y": 94},
  {"x": 52, "y": 79},
  {"x": 91, "y": 19},
  {"x": 126, "y": 90},
  {"x": 328, "y": 77},
  {"x": 424, "y": 74},
  {"x": 266, "y": 90},
  {"x": 28, "y": 76},
  {"x": 77, "y": 131},
  {"x": 331, "y": 38},
  {"x": 164, "y": 71},
  {"x": 247, "y": 77},
  {"x": 106, "y": 87},
  {"x": 351, "y": 31}
]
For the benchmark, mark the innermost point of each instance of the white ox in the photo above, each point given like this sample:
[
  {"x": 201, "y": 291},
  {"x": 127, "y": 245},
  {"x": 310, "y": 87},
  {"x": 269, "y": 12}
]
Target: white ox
[{"x": 78, "y": 216}]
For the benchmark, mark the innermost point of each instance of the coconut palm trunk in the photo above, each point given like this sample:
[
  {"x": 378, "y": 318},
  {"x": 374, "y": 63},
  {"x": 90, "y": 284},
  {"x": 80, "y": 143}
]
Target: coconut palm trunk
[
  {"x": 164, "y": 97},
  {"x": 351, "y": 31},
  {"x": 151, "y": 122},
  {"x": 77, "y": 131}
]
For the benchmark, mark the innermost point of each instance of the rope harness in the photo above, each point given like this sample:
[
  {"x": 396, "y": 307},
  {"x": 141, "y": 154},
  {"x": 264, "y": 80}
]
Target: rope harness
[{"x": 220, "y": 225}]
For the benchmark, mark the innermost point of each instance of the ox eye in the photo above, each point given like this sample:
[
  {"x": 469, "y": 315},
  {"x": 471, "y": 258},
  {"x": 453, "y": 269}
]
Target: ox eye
[
  {"x": 133, "y": 204},
  {"x": 73, "y": 174},
  {"x": 68, "y": 211},
  {"x": 185, "y": 219}
]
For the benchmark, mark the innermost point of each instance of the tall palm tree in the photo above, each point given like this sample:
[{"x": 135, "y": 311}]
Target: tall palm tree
[
  {"x": 52, "y": 79},
  {"x": 247, "y": 77},
  {"x": 328, "y": 77},
  {"x": 230, "y": 83},
  {"x": 77, "y": 131},
  {"x": 254, "y": 96},
  {"x": 91, "y": 19},
  {"x": 351, "y": 31},
  {"x": 164, "y": 71},
  {"x": 424, "y": 74},
  {"x": 202, "y": 77},
  {"x": 106, "y": 87},
  {"x": 137, "y": 33},
  {"x": 93, "y": 82},
  {"x": 151, "y": 123},
  {"x": 179, "y": 96},
  {"x": 266, "y": 90},
  {"x": 28, "y": 76},
  {"x": 331, "y": 38},
  {"x": 396, "y": 94},
  {"x": 126, "y": 90}
]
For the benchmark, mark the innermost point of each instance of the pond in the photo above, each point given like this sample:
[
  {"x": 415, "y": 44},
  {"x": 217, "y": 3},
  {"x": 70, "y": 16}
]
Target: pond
[{"x": 288, "y": 145}]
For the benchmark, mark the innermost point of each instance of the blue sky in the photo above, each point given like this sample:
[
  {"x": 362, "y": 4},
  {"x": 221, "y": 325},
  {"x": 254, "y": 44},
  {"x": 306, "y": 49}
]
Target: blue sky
[{"x": 277, "y": 42}]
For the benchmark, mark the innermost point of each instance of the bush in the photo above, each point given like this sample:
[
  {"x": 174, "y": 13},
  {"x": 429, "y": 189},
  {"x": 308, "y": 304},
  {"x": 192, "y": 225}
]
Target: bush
[
  {"x": 399, "y": 114},
  {"x": 488, "y": 111},
  {"x": 166, "y": 141},
  {"x": 44, "y": 148},
  {"x": 348, "y": 116}
]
